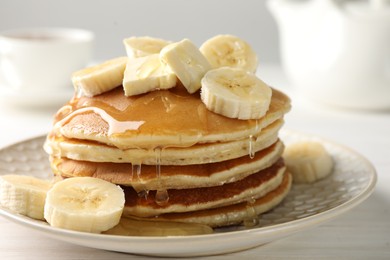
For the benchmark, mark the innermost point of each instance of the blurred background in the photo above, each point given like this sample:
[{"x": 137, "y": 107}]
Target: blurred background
[
  {"x": 327, "y": 47},
  {"x": 114, "y": 20}
]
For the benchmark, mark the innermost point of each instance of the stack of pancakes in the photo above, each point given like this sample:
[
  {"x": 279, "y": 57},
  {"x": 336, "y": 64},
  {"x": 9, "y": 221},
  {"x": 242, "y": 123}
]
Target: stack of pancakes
[{"x": 175, "y": 159}]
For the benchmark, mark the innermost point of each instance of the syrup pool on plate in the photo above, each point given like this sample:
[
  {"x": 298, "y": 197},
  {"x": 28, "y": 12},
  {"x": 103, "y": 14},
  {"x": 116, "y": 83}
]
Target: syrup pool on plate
[{"x": 135, "y": 227}]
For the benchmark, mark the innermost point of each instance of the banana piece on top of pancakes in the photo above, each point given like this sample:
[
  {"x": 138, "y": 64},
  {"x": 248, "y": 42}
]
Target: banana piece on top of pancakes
[{"x": 191, "y": 135}]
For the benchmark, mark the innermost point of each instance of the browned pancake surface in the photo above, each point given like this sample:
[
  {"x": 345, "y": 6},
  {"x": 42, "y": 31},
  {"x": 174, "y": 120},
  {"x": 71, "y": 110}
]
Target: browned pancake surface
[
  {"x": 160, "y": 113},
  {"x": 121, "y": 173},
  {"x": 204, "y": 195},
  {"x": 236, "y": 213}
]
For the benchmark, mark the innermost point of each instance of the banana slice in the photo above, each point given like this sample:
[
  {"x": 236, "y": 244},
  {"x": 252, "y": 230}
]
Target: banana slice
[
  {"x": 24, "y": 194},
  {"x": 187, "y": 62},
  {"x": 100, "y": 78},
  {"x": 84, "y": 204},
  {"x": 143, "y": 46},
  {"x": 308, "y": 161},
  {"x": 146, "y": 74},
  {"x": 235, "y": 93},
  {"x": 229, "y": 51}
]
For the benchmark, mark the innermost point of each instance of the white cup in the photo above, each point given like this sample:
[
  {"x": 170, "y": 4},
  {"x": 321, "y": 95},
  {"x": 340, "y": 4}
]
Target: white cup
[{"x": 42, "y": 60}]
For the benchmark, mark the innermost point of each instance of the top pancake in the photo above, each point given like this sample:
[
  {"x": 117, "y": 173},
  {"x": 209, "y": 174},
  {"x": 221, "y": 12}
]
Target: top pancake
[{"x": 165, "y": 118}]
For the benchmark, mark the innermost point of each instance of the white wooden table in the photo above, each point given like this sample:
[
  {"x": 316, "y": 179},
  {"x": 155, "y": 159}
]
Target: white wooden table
[{"x": 362, "y": 233}]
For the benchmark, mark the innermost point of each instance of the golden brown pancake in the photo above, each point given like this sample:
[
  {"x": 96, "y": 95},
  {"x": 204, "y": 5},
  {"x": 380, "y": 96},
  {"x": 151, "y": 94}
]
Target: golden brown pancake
[
  {"x": 196, "y": 154},
  {"x": 184, "y": 200},
  {"x": 170, "y": 176},
  {"x": 236, "y": 213},
  {"x": 194, "y": 165},
  {"x": 166, "y": 118}
]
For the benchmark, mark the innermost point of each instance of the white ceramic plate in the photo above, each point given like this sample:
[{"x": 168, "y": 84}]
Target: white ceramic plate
[{"x": 306, "y": 206}]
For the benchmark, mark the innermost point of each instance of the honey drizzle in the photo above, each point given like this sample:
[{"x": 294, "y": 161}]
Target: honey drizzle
[
  {"x": 135, "y": 168},
  {"x": 252, "y": 140},
  {"x": 136, "y": 172},
  {"x": 143, "y": 194},
  {"x": 151, "y": 227},
  {"x": 114, "y": 126},
  {"x": 162, "y": 196},
  {"x": 251, "y": 218},
  {"x": 174, "y": 105},
  {"x": 251, "y": 146},
  {"x": 64, "y": 111}
]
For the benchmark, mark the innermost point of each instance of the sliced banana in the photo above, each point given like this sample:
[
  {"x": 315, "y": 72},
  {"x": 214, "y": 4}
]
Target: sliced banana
[
  {"x": 229, "y": 51},
  {"x": 145, "y": 74},
  {"x": 24, "y": 194},
  {"x": 235, "y": 93},
  {"x": 187, "y": 62},
  {"x": 100, "y": 78},
  {"x": 308, "y": 161},
  {"x": 143, "y": 46},
  {"x": 84, "y": 204}
]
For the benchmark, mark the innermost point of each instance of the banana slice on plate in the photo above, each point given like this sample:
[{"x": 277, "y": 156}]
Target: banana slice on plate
[
  {"x": 308, "y": 161},
  {"x": 146, "y": 74},
  {"x": 235, "y": 93},
  {"x": 187, "y": 62},
  {"x": 229, "y": 51},
  {"x": 143, "y": 46},
  {"x": 24, "y": 194},
  {"x": 100, "y": 78},
  {"x": 84, "y": 204}
]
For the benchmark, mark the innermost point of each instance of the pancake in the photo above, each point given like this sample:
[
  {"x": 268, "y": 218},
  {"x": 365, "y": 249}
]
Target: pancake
[
  {"x": 165, "y": 118},
  {"x": 233, "y": 214},
  {"x": 185, "y": 200},
  {"x": 196, "y": 154},
  {"x": 175, "y": 159},
  {"x": 170, "y": 176}
]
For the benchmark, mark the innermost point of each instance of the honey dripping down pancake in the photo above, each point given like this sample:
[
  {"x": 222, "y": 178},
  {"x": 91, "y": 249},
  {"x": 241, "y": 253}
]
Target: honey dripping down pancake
[
  {"x": 167, "y": 118},
  {"x": 171, "y": 176},
  {"x": 185, "y": 140},
  {"x": 184, "y": 200},
  {"x": 196, "y": 154},
  {"x": 245, "y": 212}
]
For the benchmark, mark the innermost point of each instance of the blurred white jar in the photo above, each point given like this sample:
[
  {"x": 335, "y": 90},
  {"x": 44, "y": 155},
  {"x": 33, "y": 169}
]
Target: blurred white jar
[{"x": 336, "y": 52}]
